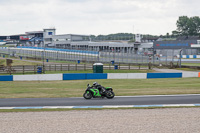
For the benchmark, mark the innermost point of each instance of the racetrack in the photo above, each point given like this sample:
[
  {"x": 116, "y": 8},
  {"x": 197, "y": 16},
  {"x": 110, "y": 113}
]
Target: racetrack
[{"x": 132, "y": 100}]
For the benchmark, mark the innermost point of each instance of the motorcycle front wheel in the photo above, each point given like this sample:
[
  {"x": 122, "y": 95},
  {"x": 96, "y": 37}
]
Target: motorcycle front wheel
[
  {"x": 87, "y": 95},
  {"x": 110, "y": 94}
]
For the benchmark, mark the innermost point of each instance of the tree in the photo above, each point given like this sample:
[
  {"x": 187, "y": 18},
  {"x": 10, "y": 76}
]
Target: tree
[
  {"x": 167, "y": 35},
  {"x": 195, "y": 25},
  {"x": 187, "y": 26}
]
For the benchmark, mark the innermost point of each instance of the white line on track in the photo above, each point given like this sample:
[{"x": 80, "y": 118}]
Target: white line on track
[{"x": 155, "y": 95}]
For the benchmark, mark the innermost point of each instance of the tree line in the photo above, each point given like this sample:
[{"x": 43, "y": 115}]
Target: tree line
[
  {"x": 118, "y": 36},
  {"x": 186, "y": 26}
]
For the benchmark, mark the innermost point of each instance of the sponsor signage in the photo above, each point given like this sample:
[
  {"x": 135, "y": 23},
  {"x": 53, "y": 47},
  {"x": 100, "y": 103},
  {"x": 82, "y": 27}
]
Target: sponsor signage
[
  {"x": 24, "y": 37},
  {"x": 173, "y": 44}
]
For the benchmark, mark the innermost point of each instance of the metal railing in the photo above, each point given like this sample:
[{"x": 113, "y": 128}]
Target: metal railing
[{"x": 33, "y": 69}]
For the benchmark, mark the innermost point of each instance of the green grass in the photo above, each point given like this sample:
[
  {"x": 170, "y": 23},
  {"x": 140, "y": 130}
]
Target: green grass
[
  {"x": 68, "y": 62},
  {"x": 122, "y": 87},
  {"x": 190, "y": 64},
  {"x": 18, "y": 62},
  {"x": 6, "y": 46},
  {"x": 187, "y": 69}
]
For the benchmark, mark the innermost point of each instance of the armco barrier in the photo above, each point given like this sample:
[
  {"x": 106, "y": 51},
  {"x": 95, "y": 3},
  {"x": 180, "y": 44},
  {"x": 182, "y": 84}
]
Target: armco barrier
[
  {"x": 6, "y": 78},
  {"x": 82, "y": 76},
  {"x": 127, "y": 75},
  {"x": 137, "y": 75},
  {"x": 74, "y": 76},
  {"x": 189, "y": 74},
  {"x": 164, "y": 75},
  {"x": 117, "y": 75},
  {"x": 96, "y": 76},
  {"x": 38, "y": 77}
]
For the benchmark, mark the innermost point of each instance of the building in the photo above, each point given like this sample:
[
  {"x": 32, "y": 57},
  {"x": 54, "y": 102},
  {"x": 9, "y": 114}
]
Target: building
[
  {"x": 48, "y": 38},
  {"x": 187, "y": 45}
]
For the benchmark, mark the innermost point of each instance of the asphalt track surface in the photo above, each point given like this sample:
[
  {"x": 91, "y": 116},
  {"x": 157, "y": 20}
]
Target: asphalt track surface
[{"x": 79, "y": 101}]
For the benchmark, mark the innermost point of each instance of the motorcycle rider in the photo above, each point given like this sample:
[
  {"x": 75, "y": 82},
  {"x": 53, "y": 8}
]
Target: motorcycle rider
[{"x": 99, "y": 87}]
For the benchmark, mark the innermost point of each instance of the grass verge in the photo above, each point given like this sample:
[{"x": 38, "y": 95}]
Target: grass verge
[
  {"x": 76, "y": 88},
  {"x": 190, "y": 64},
  {"x": 18, "y": 62},
  {"x": 187, "y": 69}
]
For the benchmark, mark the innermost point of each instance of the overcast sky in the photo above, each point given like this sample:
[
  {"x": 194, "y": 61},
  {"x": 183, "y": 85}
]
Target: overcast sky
[{"x": 94, "y": 16}]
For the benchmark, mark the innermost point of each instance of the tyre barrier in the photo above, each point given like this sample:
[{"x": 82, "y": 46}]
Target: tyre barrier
[{"x": 86, "y": 76}]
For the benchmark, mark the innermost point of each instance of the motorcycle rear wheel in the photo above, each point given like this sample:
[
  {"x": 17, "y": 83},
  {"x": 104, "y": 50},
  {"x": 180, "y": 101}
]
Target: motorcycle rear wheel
[
  {"x": 110, "y": 94},
  {"x": 87, "y": 95}
]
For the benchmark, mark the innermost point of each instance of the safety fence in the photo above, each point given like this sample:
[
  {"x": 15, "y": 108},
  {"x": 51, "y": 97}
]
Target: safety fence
[
  {"x": 34, "y": 69},
  {"x": 104, "y": 56},
  {"x": 87, "y": 76}
]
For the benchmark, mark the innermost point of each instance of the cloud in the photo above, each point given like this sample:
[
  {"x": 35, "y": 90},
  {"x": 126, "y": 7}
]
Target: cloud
[{"x": 94, "y": 16}]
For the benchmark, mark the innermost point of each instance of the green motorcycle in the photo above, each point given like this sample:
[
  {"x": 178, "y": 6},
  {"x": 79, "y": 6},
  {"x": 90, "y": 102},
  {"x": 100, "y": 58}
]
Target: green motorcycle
[{"x": 98, "y": 91}]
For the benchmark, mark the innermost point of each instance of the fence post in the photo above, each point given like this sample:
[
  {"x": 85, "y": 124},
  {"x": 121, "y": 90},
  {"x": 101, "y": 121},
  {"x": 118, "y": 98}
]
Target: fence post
[
  {"x": 109, "y": 66},
  {"x": 23, "y": 69},
  {"x": 139, "y": 66},
  {"x": 55, "y": 67},
  {"x": 84, "y": 67},
  {"x": 50, "y": 67},
  {"x": 129, "y": 66},
  {"x": 119, "y": 65},
  {"x": 61, "y": 67},
  {"x": 10, "y": 70},
  {"x": 68, "y": 67},
  {"x": 150, "y": 65},
  {"x": 76, "y": 67},
  {"x": 44, "y": 69},
  {"x": 34, "y": 70}
]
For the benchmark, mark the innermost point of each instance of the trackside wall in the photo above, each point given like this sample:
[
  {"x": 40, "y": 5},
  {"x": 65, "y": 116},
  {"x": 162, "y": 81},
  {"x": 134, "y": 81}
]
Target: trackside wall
[
  {"x": 164, "y": 75},
  {"x": 38, "y": 77},
  {"x": 6, "y": 78},
  {"x": 190, "y": 74},
  {"x": 86, "y": 76},
  {"x": 82, "y": 76},
  {"x": 127, "y": 75}
]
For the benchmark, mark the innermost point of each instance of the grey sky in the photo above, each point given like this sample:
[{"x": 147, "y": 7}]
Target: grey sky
[{"x": 94, "y": 16}]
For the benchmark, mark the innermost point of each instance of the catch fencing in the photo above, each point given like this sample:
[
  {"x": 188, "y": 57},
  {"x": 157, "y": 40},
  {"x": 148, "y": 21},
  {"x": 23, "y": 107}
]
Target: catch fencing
[{"x": 105, "y": 56}]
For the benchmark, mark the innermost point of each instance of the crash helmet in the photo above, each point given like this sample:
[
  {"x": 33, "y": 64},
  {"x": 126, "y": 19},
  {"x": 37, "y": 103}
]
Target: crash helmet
[{"x": 95, "y": 84}]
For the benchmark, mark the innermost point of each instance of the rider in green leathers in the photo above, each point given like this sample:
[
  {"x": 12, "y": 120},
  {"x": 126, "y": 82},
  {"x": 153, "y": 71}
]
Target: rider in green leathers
[{"x": 99, "y": 87}]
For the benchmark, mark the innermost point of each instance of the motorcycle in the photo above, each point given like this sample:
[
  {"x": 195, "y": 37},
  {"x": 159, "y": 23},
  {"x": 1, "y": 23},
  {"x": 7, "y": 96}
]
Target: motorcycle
[{"x": 98, "y": 92}]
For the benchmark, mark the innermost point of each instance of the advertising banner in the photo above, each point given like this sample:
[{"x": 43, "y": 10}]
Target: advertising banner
[
  {"x": 24, "y": 38},
  {"x": 173, "y": 44}
]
